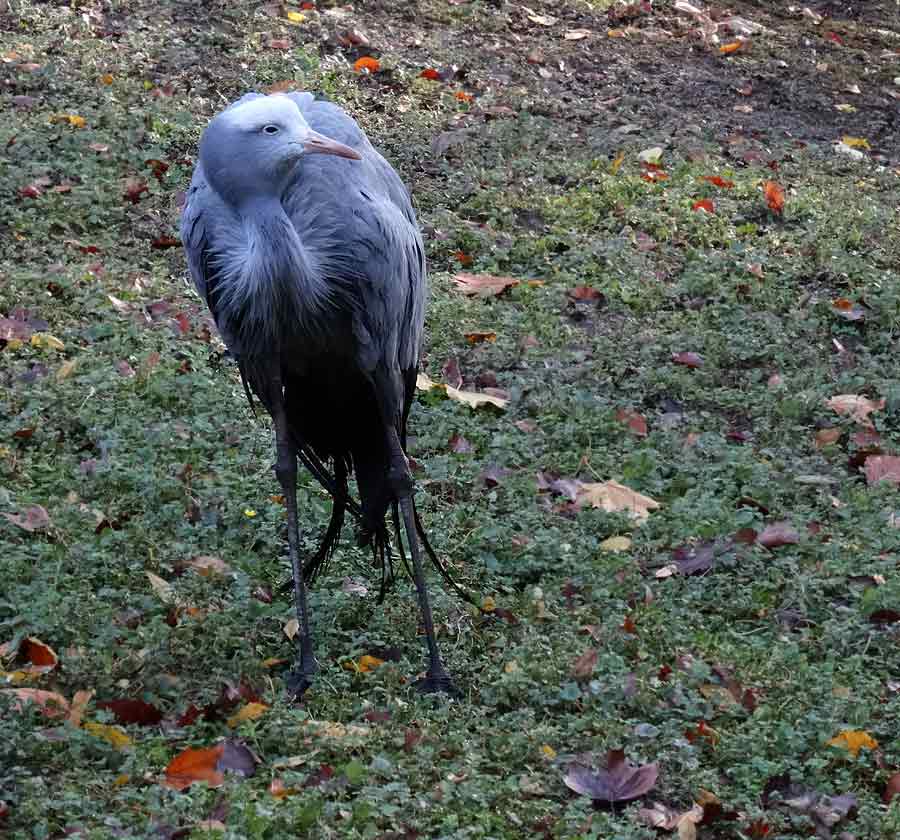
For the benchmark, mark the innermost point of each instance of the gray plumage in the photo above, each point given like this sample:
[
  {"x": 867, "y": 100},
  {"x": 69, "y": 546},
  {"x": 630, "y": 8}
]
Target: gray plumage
[{"x": 313, "y": 268}]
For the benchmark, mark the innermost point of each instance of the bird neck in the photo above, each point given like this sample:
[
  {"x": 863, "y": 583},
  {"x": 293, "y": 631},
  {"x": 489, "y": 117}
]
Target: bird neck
[{"x": 280, "y": 285}]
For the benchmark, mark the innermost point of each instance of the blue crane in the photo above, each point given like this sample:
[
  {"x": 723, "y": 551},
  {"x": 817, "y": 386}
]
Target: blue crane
[{"x": 302, "y": 240}]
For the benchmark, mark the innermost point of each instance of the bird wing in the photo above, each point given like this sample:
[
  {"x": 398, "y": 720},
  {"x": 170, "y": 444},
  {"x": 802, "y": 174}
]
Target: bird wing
[{"x": 358, "y": 220}]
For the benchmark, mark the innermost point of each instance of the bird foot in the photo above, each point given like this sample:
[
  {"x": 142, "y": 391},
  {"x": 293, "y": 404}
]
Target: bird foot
[
  {"x": 435, "y": 682},
  {"x": 301, "y": 677}
]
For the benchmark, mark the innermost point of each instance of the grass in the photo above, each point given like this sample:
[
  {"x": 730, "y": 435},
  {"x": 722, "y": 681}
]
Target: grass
[{"x": 131, "y": 431}]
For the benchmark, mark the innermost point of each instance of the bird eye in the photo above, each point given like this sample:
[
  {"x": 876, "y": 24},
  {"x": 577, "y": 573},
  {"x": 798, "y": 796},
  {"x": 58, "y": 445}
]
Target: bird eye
[{"x": 271, "y": 129}]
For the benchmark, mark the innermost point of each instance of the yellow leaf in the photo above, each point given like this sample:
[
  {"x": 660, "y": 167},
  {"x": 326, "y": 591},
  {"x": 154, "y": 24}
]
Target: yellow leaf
[
  {"x": 846, "y": 108},
  {"x": 614, "y": 497},
  {"x": 123, "y": 779},
  {"x": 548, "y": 751},
  {"x": 617, "y": 163},
  {"x": 111, "y": 734},
  {"x": 272, "y": 661},
  {"x": 66, "y": 369},
  {"x": 47, "y": 340},
  {"x": 296, "y": 17},
  {"x": 249, "y": 513},
  {"x": 107, "y": 78},
  {"x": 249, "y": 712},
  {"x": 855, "y": 142},
  {"x": 13, "y": 343},
  {"x": 615, "y": 544},
  {"x": 488, "y": 604},
  {"x": 364, "y": 664},
  {"x": 853, "y": 740}
]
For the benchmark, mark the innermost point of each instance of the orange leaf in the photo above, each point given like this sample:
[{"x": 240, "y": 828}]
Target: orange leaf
[
  {"x": 195, "y": 765},
  {"x": 734, "y": 46},
  {"x": 463, "y": 258},
  {"x": 853, "y": 740},
  {"x": 633, "y": 420},
  {"x": 38, "y": 653},
  {"x": 704, "y": 204},
  {"x": 373, "y": 65},
  {"x": 430, "y": 73},
  {"x": 718, "y": 181},
  {"x": 774, "y": 194},
  {"x": 478, "y": 337},
  {"x": 365, "y": 664},
  {"x": 462, "y": 96}
]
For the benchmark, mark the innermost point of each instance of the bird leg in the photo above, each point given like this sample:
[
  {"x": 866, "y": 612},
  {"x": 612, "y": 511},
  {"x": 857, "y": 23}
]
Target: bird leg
[
  {"x": 286, "y": 470},
  {"x": 436, "y": 678}
]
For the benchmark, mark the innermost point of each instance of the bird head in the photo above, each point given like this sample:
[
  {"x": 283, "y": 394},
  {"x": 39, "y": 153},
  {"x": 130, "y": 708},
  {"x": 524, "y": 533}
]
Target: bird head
[{"x": 252, "y": 148}]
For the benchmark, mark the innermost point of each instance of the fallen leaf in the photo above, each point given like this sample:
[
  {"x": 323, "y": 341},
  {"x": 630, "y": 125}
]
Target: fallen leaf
[
  {"x": 208, "y": 764},
  {"x": 635, "y": 421},
  {"x": 704, "y": 204},
  {"x": 291, "y": 628},
  {"x": 111, "y": 734},
  {"x": 542, "y": 20},
  {"x": 615, "y": 544},
  {"x": 581, "y": 294},
  {"x": 371, "y": 65},
  {"x": 162, "y": 588},
  {"x": 462, "y": 96},
  {"x": 134, "y": 188},
  {"x": 826, "y": 437},
  {"x": 51, "y": 704},
  {"x": 614, "y": 497},
  {"x": 718, "y": 181},
  {"x": 668, "y": 819},
  {"x": 883, "y": 468},
  {"x": 34, "y": 518},
  {"x": 251, "y": 711},
  {"x": 688, "y": 359},
  {"x": 620, "y": 781},
  {"x": 774, "y": 195},
  {"x": 583, "y": 666},
  {"x": 208, "y": 565},
  {"x": 731, "y": 47},
  {"x": 469, "y": 398},
  {"x": 853, "y": 740},
  {"x": 576, "y": 34},
  {"x": 778, "y": 534},
  {"x": 295, "y": 17},
  {"x": 478, "y": 337},
  {"x": 431, "y": 74},
  {"x": 847, "y": 309},
  {"x": 364, "y": 664},
  {"x": 483, "y": 285},
  {"x": 127, "y": 711},
  {"x": 891, "y": 789},
  {"x": 858, "y": 408}
]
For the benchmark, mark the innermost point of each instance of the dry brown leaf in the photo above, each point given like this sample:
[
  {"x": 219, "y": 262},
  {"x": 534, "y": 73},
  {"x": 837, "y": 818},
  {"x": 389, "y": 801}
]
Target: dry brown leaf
[
  {"x": 162, "y": 588},
  {"x": 883, "y": 468},
  {"x": 78, "y": 705},
  {"x": 856, "y": 407},
  {"x": 483, "y": 285},
  {"x": 614, "y": 497}
]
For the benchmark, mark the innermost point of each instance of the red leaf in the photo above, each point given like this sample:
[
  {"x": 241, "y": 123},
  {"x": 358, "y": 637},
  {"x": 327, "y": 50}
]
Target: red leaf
[
  {"x": 165, "y": 242},
  {"x": 430, "y": 73},
  {"x": 633, "y": 420},
  {"x": 774, "y": 194},
  {"x": 581, "y": 294},
  {"x": 891, "y": 789},
  {"x": 688, "y": 359},
  {"x": 834, "y": 37},
  {"x": 778, "y": 534},
  {"x": 704, "y": 204},
  {"x": 31, "y": 191},
  {"x": 132, "y": 711},
  {"x": 462, "y": 258},
  {"x": 134, "y": 188}
]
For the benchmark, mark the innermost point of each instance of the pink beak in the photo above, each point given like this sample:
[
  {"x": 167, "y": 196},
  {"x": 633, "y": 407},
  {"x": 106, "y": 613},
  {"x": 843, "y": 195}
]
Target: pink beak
[{"x": 319, "y": 144}]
